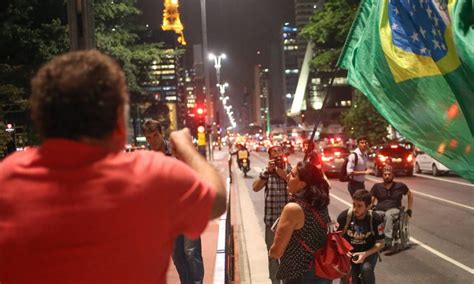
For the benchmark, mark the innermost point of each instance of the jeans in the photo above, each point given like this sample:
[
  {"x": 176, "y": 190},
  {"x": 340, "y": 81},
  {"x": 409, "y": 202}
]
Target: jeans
[
  {"x": 187, "y": 258},
  {"x": 389, "y": 216},
  {"x": 365, "y": 270},
  {"x": 273, "y": 264},
  {"x": 353, "y": 186},
  {"x": 309, "y": 277}
]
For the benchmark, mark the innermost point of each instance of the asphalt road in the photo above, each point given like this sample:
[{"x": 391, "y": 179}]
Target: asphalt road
[{"x": 441, "y": 229}]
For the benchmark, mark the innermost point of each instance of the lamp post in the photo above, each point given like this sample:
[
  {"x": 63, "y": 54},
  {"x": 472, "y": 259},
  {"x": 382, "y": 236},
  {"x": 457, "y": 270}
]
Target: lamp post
[
  {"x": 217, "y": 64},
  {"x": 210, "y": 111},
  {"x": 222, "y": 88}
]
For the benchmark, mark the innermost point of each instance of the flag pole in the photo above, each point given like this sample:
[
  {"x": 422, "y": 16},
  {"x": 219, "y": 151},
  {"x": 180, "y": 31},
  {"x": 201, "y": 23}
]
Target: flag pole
[{"x": 319, "y": 114}]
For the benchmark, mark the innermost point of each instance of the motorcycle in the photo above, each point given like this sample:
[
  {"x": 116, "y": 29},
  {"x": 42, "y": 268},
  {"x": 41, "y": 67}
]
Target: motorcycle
[
  {"x": 243, "y": 161},
  {"x": 245, "y": 166}
]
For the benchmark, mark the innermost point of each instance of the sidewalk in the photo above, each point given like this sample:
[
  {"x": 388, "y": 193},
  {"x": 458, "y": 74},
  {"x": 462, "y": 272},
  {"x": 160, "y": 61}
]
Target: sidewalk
[{"x": 210, "y": 236}]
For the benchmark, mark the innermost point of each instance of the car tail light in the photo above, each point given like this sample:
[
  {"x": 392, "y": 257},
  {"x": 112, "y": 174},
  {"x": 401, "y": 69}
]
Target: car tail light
[
  {"x": 285, "y": 159},
  {"x": 410, "y": 158},
  {"x": 337, "y": 154},
  {"x": 382, "y": 158},
  {"x": 394, "y": 146},
  {"x": 326, "y": 158}
]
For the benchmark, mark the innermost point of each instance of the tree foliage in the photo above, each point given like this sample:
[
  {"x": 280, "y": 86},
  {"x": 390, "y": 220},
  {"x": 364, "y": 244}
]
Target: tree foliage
[
  {"x": 328, "y": 29},
  {"x": 362, "y": 119},
  {"x": 34, "y": 31}
]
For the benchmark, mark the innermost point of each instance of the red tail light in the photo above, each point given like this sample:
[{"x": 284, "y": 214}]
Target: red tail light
[
  {"x": 382, "y": 158},
  {"x": 285, "y": 159},
  {"x": 326, "y": 158},
  {"x": 410, "y": 158}
]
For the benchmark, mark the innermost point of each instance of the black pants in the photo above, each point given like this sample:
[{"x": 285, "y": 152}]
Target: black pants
[
  {"x": 353, "y": 186},
  {"x": 365, "y": 270}
]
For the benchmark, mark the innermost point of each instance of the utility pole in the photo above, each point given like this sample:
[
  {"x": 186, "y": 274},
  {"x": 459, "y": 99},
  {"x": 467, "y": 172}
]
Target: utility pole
[
  {"x": 209, "y": 104},
  {"x": 81, "y": 24}
]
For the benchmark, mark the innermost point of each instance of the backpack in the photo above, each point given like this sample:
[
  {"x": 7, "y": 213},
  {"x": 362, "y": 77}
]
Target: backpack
[
  {"x": 349, "y": 219},
  {"x": 343, "y": 176},
  {"x": 330, "y": 261}
]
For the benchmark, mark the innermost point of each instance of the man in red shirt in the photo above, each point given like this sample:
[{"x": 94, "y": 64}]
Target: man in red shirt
[{"x": 78, "y": 209}]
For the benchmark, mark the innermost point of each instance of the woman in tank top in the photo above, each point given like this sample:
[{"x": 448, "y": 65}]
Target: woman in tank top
[{"x": 308, "y": 190}]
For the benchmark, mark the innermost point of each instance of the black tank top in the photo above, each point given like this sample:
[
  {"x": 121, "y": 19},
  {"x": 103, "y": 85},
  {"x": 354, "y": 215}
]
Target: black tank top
[{"x": 297, "y": 260}]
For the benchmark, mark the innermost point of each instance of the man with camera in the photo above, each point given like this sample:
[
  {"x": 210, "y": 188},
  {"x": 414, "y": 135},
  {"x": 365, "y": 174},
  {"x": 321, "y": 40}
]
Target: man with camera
[
  {"x": 273, "y": 179},
  {"x": 364, "y": 229}
]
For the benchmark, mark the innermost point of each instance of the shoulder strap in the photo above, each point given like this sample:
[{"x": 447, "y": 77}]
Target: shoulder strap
[
  {"x": 348, "y": 220},
  {"x": 316, "y": 215},
  {"x": 356, "y": 159},
  {"x": 371, "y": 221}
]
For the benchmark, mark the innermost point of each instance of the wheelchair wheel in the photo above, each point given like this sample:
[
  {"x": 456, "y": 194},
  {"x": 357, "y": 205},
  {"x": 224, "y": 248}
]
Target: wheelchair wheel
[{"x": 403, "y": 231}]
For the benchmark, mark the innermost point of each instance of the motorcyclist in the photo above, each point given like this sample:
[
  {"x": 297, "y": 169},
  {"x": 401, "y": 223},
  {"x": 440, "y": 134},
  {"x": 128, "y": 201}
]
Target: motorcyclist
[{"x": 242, "y": 153}]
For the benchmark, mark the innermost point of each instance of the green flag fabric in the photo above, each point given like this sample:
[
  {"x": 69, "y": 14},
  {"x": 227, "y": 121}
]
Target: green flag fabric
[{"x": 416, "y": 67}]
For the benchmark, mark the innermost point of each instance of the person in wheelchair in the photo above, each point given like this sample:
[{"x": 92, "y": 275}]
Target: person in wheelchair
[{"x": 387, "y": 199}]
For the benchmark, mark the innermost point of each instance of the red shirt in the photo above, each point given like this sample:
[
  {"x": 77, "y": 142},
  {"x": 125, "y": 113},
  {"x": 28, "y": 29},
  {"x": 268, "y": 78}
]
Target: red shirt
[{"x": 76, "y": 213}]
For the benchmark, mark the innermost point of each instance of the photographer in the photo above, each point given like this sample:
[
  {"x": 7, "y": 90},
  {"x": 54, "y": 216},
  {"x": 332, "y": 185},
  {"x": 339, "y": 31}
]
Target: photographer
[{"x": 273, "y": 179}]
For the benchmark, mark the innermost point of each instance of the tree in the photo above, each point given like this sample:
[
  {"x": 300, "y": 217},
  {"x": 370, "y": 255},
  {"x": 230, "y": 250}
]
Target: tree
[
  {"x": 328, "y": 29},
  {"x": 33, "y": 31},
  {"x": 362, "y": 119}
]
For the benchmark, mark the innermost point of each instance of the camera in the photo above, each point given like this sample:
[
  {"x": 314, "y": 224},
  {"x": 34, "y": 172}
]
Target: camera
[
  {"x": 280, "y": 162},
  {"x": 355, "y": 257}
]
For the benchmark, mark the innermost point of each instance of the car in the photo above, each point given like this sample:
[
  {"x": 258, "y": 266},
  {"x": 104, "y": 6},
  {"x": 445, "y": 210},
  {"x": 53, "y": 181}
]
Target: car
[
  {"x": 332, "y": 159},
  {"x": 396, "y": 155},
  {"x": 425, "y": 162},
  {"x": 260, "y": 146}
]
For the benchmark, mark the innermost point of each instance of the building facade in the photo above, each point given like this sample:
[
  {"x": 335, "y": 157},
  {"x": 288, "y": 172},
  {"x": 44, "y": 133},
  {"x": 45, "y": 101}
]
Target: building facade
[
  {"x": 289, "y": 35},
  {"x": 261, "y": 110}
]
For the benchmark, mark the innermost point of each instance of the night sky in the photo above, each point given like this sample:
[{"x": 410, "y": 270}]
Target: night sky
[{"x": 236, "y": 27}]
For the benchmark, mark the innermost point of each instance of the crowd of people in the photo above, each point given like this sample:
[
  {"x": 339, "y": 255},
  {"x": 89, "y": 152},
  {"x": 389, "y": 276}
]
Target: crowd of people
[
  {"x": 78, "y": 209},
  {"x": 296, "y": 200}
]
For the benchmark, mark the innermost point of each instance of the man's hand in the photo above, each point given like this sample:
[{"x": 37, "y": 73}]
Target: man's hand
[
  {"x": 271, "y": 166},
  {"x": 181, "y": 143},
  {"x": 359, "y": 257},
  {"x": 409, "y": 212},
  {"x": 369, "y": 171}
]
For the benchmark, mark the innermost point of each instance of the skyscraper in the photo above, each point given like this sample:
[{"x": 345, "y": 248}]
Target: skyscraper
[
  {"x": 304, "y": 10},
  {"x": 290, "y": 63}
]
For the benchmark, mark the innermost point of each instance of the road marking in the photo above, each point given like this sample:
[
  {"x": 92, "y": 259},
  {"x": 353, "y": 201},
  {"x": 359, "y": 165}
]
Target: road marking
[
  {"x": 445, "y": 180},
  {"x": 431, "y": 196},
  {"x": 423, "y": 245}
]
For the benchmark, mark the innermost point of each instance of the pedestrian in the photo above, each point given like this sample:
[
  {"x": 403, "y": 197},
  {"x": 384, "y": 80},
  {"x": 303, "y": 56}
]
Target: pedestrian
[
  {"x": 187, "y": 253},
  {"x": 364, "y": 230},
  {"x": 387, "y": 200},
  {"x": 78, "y": 208},
  {"x": 273, "y": 179},
  {"x": 357, "y": 168},
  {"x": 309, "y": 192}
]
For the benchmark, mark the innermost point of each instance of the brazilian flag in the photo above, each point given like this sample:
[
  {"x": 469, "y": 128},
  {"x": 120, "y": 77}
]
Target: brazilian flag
[{"x": 414, "y": 60}]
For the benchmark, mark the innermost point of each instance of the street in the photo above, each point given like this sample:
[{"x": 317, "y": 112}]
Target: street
[{"x": 441, "y": 232}]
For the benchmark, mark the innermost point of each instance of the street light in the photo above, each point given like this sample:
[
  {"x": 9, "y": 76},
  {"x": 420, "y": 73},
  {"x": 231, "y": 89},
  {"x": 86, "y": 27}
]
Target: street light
[
  {"x": 222, "y": 88},
  {"x": 217, "y": 64}
]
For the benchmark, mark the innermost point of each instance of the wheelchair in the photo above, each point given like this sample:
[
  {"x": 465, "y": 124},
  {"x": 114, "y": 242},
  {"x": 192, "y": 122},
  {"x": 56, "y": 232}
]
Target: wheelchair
[{"x": 401, "y": 234}]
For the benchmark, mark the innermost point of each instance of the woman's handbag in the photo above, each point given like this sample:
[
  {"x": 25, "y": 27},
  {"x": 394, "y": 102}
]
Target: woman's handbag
[{"x": 332, "y": 260}]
